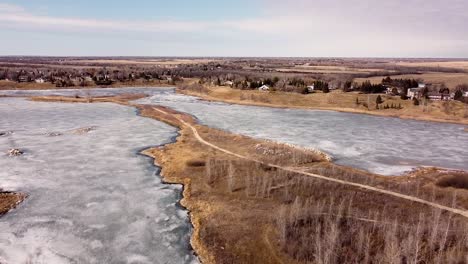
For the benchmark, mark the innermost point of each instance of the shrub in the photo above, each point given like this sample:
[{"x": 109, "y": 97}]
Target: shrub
[
  {"x": 196, "y": 163},
  {"x": 459, "y": 180}
]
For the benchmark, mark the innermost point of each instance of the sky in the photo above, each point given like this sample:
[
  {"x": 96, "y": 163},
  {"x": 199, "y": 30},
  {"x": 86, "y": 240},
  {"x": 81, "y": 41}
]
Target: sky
[{"x": 250, "y": 28}]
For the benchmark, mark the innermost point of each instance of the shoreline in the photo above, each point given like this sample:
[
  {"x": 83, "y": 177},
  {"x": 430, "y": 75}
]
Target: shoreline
[
  {"x": 34, "y": 86},
  {"x": 208, "y": 98}
]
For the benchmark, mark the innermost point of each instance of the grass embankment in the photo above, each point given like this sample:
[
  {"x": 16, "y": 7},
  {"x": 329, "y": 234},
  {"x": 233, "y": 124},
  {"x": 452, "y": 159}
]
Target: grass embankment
[
  {"x": 246, "y": 212},
  {"x": 453, "y": 112},
  {"x": 9, "y": 85}
]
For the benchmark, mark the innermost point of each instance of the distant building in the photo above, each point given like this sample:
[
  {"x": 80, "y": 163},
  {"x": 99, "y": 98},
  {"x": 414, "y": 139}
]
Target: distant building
[
  {"x": 39, "y": 80},
  {"x": 414, "y": 92},
  {"x": 465, "y": 94},
  {"x": 393, "y": 91},
  {"x": 445, "y": 94},
  {"x": 422, "y": 85},
  {"x": 439, "y": 96},
  {"x": 264, "y": 88},
  {"x": 23, "y": 78},
  {"x": 311, "y": 88},
  {"x": 229, "y": 83}
]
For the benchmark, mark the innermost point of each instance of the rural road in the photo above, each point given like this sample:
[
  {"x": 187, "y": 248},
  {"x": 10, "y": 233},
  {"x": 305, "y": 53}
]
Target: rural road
[{"x": 317, "y": 176}]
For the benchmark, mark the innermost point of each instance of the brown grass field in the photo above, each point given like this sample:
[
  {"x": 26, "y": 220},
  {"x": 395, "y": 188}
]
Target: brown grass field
[
  {"x": 328, "y": 69},
  {"x": 450, "y": 79},
  {"x": 463, "y": 65},
  {"x": 9, "y": 85}
]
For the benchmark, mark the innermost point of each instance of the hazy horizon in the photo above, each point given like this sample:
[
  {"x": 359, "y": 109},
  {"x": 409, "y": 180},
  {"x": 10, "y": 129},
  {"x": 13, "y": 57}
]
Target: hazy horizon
[{"x": 259, "y": 28}]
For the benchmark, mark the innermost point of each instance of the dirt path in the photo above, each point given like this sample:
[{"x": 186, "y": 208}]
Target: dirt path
[{"x": 358, "y": 185}]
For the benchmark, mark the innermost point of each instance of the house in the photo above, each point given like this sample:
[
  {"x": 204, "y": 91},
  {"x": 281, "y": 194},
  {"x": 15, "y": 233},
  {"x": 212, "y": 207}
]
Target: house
[
  {"x": 311, "y": 88},
  {"x": 39, "y": 80},
  {"x": 439, "y": 96},
  {"x": 422, "y": 85},
  {"x": 229, "y": 83},
  {"x": 393, "y": 91},
  {"x": 264, "y": 88},
  {"x": 414, "y": 92},
  {"x": 333, "y": 86},
  {"x": 23, "y": 78},
  {"x": 465, "y": 94},
  {"x": 435, "y": 96},
  {"x": 445, "y": 94}
]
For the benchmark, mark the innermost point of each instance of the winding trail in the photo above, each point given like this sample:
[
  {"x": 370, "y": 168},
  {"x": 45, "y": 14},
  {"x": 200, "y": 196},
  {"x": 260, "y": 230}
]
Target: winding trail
[{"x": 317, "y": 176}]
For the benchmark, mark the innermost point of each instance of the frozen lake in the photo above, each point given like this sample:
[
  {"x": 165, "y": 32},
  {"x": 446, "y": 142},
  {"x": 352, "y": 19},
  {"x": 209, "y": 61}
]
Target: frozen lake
[
  {"x": 378, "y": 144},
  {"x": 93, "y": 198},
  {"x": 384, "y": 145}
]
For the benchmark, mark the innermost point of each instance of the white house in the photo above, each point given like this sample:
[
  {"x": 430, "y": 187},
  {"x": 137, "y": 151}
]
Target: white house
[
  {"x": 393, "y": 91},
  {"x": 422, "y": 85},
  {"x": 264, "y": 88},
  {"x": 465, "y": 94},
  {"x": 39, "y": 80},
  {"x": 228, "y": 83},
  {"x": 311, "y": 88},
  {"x": 414, "y": 92}
]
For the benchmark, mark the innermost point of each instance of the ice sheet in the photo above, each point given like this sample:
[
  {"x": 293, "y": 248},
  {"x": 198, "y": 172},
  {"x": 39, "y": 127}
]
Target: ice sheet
[
  {"x": 93, "y": 198},
  {"x": 383, "y": 145}
]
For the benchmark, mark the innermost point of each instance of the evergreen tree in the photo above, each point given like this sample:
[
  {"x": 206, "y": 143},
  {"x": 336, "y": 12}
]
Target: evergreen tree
[
  {"x": 378, "y": 100},
  {"x": 458, "y": 95}
]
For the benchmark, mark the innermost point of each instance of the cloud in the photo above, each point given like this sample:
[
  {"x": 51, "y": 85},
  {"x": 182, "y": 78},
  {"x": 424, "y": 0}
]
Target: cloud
[
  {"x": 14, "y": 15},
  {"x": 9, "y": 8},
  {"x": 293, "y": 28}
]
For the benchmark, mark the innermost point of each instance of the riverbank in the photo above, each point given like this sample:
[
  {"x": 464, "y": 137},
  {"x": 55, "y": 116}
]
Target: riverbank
[
  {"x": 9, "y": 85},
  {"x": 452, "y": 112},
  {"x": 245, "y": 211}
]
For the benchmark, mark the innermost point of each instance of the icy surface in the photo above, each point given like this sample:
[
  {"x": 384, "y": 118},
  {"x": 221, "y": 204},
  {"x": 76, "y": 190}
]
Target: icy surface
[
  {"x": 383, "y": 145},
  {"x": 92, "y": 197},
  {"x": 388, "y": 146}
]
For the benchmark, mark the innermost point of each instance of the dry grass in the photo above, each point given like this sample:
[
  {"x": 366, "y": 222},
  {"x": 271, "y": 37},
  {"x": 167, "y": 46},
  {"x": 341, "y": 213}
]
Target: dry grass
[
  {"x": 141, "y": 61},
  {"x": 9, "y": 85},
  {"x": 9, "y": 200},
  {"x": 454, "y": 111},
  {"x": 450, "y": 79},
  {"x": 463, "y": 65},
  {"x": 329, "y": 69}
]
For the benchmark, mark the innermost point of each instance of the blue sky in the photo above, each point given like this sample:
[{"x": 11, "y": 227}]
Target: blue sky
[{"x": 318, "y": 28}]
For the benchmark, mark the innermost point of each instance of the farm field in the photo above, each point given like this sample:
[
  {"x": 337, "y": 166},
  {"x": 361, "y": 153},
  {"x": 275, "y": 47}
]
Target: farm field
[{"x": 452, "y": 80}]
